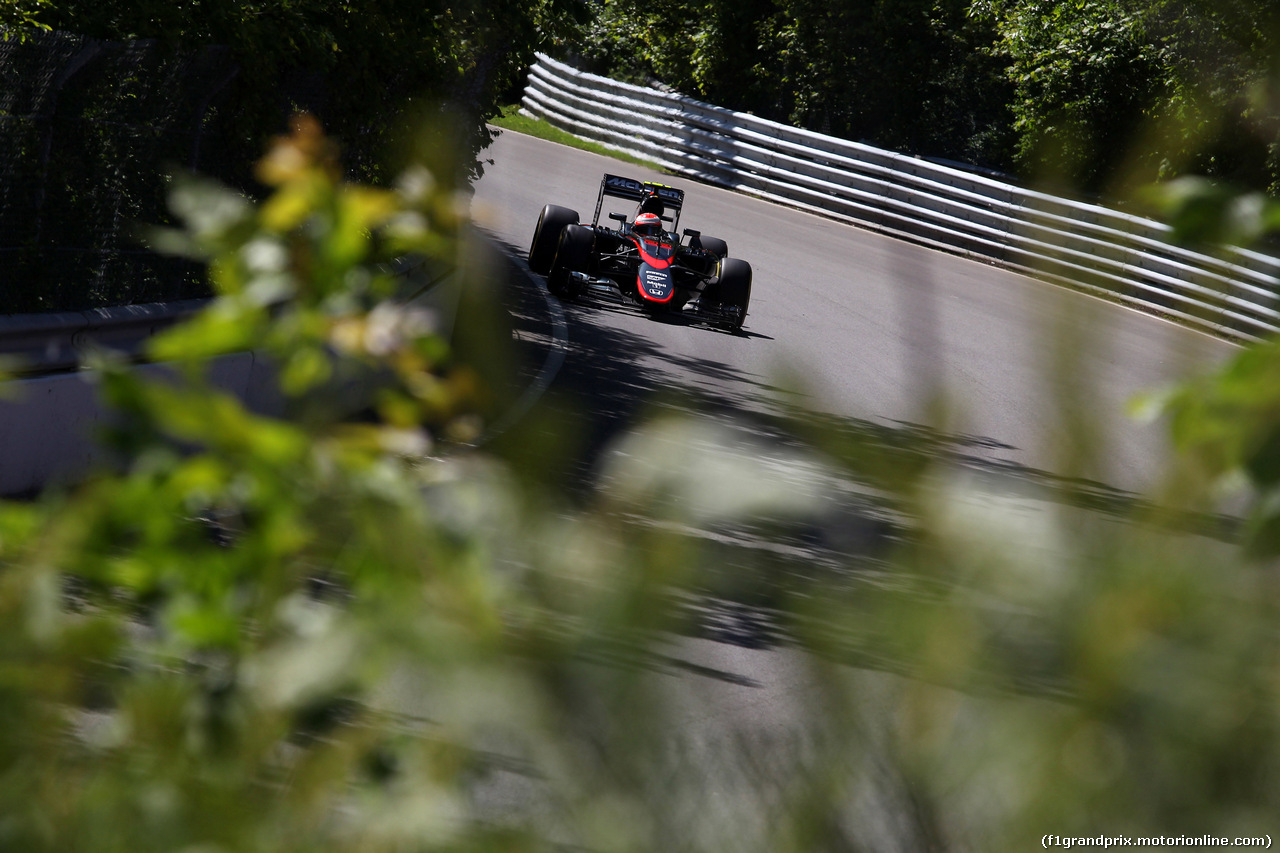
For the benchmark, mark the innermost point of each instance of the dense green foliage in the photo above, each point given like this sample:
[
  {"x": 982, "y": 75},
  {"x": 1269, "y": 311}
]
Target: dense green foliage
[
  {"x": 336, "y": 628},
  {"x": 1088, "y": 94},
  {"x": 87, "y": 130},
  {"x": 101, "y": 99},
  {"x": 1086, "y": 75},
  {"x": 333, "y": 629},
  {"x": 368, "y": 70},
  {"x": 1094, "y": 96},
  {"x": 909, "y": 74},
  {"x": 17, "y": 15},
  {"x": 1115, "y": 93}
]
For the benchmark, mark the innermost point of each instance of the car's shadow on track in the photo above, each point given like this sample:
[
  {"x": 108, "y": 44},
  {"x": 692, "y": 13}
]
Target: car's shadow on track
[
  {"x": 682, "y": 319},
  {"x": 615, "y": 378},
  {"x": 667, "y": 318}
]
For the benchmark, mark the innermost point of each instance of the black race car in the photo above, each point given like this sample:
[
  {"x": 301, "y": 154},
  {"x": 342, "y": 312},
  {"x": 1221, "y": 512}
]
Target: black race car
[{"x": 641, "y": 260}]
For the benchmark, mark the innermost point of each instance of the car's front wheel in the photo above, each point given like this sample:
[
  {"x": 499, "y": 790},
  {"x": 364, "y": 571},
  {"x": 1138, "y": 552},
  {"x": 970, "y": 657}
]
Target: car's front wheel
[
  {"x": 546, "y": 236},
  {"x": 726, "y": 299},
  {"x": 573, "y": 254}
]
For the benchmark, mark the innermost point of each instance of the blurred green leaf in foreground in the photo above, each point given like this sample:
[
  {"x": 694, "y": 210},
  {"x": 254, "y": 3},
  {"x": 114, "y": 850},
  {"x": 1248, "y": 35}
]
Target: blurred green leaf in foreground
[{"x": 331, "y": 629}]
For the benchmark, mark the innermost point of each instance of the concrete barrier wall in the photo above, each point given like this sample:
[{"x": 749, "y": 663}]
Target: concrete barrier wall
[
  {"x": 49, "y": 425},
  {"x": 50, "y": 418}
]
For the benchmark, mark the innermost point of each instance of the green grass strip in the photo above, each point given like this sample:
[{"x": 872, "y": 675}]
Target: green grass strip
[{"x": 512, "y": 119}]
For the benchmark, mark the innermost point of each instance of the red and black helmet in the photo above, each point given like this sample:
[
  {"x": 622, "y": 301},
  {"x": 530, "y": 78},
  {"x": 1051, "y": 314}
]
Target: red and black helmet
[{"x": 647, "y": 225}]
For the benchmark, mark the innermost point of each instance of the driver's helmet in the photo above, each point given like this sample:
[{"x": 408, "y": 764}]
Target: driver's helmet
[
  {"x": 647, "y": 225},
  {"x": 650, "y": 204}
]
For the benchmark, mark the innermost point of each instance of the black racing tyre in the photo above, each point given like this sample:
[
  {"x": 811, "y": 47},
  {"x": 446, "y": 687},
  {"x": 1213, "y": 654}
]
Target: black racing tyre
[
  {"x": 715, "y": 246},
  {"x": 573, "y": 254},
  {"x": 732, "y": 290},
  {"x": 546, "y": 236}
]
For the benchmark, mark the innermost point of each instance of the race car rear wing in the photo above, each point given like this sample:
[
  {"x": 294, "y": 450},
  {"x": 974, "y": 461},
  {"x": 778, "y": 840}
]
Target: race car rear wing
[{"x": 619, "y": 187}]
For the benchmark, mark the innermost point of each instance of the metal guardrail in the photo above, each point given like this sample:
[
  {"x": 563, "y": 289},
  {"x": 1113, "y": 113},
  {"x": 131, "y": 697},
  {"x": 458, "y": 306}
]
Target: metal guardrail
[
  {"x": 41, "y": 344},
  {"x": 1126, "y": 257}
]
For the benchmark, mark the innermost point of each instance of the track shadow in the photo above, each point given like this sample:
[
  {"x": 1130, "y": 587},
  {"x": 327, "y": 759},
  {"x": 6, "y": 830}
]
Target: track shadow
[
  {"x": 614, "y": 379},
  {"x": 671, "y": 319}
]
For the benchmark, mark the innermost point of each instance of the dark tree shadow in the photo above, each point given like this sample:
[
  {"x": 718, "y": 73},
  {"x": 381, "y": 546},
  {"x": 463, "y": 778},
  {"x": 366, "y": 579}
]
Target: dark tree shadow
[{"x": 763, "y": 569}]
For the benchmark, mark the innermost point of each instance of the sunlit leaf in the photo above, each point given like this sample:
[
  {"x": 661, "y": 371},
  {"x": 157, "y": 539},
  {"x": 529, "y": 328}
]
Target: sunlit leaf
[
  {"x": 223, "y": 328},
  {"x": 305, "y": 369},
  {"x": 293, "y": 204}
]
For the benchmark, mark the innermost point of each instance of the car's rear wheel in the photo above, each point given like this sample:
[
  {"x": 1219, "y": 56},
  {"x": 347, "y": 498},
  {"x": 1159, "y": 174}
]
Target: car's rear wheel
[
  {"x": 546, "y": 236},
  {"x": 573, "y": 254},
  {"x": 715, "y": 246},
  {"x": 726, "y": 299}
]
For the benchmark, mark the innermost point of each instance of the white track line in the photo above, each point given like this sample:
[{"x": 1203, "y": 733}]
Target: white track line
[{"x": 550, "y": 367}]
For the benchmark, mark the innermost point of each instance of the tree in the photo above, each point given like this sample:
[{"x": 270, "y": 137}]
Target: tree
[
  {"x": 367, "y": 69},
  {"x": 15, "y": 15},
  {"x": 1087, "y": 75},
  {"x": 906, "y": 74},
  {"x": 1223, "y": 109},
  {"x": 1111, "y": 94},
  {"x": 123, "y": 93}
]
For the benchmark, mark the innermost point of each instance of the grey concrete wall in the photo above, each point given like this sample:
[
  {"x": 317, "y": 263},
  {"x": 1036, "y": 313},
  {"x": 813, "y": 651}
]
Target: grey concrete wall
[{"x": 49, "y": 424}]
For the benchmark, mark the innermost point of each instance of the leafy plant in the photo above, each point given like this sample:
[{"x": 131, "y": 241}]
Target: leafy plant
[{"x": 328, "y": 626}]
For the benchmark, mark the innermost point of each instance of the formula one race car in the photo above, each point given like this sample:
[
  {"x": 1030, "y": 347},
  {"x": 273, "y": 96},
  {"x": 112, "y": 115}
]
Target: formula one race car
[{"x": 641, "y": 261}]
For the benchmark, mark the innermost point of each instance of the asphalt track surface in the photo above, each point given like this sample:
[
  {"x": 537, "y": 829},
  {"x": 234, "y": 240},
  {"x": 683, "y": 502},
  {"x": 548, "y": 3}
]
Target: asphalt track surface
[
  {"x": 864, "y": 327},
  {"x": 869, "y": 331}
]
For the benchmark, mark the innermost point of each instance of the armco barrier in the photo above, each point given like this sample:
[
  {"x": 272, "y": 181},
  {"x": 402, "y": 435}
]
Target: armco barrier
[
  {"x": 1126, "y": 257},
  {"x": 51, "y": 343}
]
